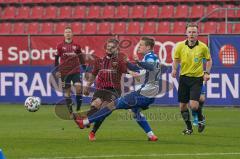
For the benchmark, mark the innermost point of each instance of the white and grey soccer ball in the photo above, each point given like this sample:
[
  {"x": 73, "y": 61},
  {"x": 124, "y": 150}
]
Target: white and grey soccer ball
[{"x": 32, "y": 104}]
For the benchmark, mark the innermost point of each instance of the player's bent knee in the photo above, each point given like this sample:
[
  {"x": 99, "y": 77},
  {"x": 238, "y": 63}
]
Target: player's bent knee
[{"x": 97, "y": 103}]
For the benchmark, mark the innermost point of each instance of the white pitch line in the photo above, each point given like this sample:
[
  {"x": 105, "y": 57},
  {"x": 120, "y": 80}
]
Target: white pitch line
[{"x": 147, "y": 155}]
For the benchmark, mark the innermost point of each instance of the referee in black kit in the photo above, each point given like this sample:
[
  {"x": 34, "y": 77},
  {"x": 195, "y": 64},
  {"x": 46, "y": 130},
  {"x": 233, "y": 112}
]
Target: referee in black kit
[{"x": 190, "y": 54}]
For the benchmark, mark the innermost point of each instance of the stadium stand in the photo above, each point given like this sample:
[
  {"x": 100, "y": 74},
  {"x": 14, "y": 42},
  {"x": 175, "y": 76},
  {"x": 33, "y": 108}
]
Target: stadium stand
[
  {"x": 181, "y": 11},
  {"x": 152, "y": 11},
  {"x": 108, "y": 12},
  {"x": 117, "y": 16},
  {"x": 149, "y": 28},
  {"x": 9, "y": 13},
  {"x": 133, "y": 28},
  {"x": 77, "y": 27},
  {"x": 18, "y": 28},
  {"x": 137, "y": 11},
  {"x": 222, "y": 27},
  {"x": 36, "y": 12},
  {"x": 163, "y": 28},
  {"x": 90, "y": 28},
  {"x": 197, "y": 11},
  {"x": 23, "y": 13},
  {"x": 5, "y": 28},
  {"x": 32, "y": 28},
  {"x": 179, "y": 27},
  {"x": 104, "y": 28},
  {"x": 65, "y": 12},
  {"x": 50, "y": 12},
  {"x": 79, "y": 12},
  {"x": 47, "y": 28},
  {"x": 122, "y": 11}
]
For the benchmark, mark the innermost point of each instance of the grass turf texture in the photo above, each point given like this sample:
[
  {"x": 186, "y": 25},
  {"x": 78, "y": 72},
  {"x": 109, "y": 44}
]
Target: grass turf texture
[{"x": 25, "y": 135}]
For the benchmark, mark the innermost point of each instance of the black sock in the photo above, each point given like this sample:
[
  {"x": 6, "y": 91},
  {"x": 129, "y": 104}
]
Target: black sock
[
  {"x": 186, "y": 118},
  {"x": 79, "y": 101},
  {"x": 69, "y": 104},
  {"x": 92, "y": 110},
  {"x": 199, "y": 111},
  {"x": 97, "y": 125}
]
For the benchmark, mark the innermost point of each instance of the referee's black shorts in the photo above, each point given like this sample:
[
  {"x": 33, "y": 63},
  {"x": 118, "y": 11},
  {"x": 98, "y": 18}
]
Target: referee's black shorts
[{"x": 189, "y": 88}]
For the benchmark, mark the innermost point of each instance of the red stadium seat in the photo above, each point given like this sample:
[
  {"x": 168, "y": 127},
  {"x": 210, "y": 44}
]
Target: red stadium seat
[
  {"x": 230, "y": 12},
  {"x": 104, "y": 28},
  {"x": 79, "y": 12},
  {"x": 90, "y": 28},
  {"x": 37, "y": 12},
  {"x": 133, "y": 28},
  {"x": 53, "y": 1},
  {"x": 238, "y": 13},
  {"x": 10, "y": 1},
  {"x": 236, "y": 29},
  {"x": 9, "y": 13},
  {"x": 210, "y": 27},
  {"x": 65, "y": 12},
  {"x": 179, "y": 27},
  {"x": 163, "y": 28},
  {"x": 59, "y": 27},
  {"x": 137, "y": 11},
  {"x": 122, "y": 11},
  {"x": 222, "y": 27},
  {"x": 152, "y": 11},
  {"x": 197, "y": 11},
  {"x": 26, "y": 1},
  {"x": 33, "y": 28},
  {"x": 212, "y": 7},
  {"x": 80, "y": 0},
  {"x": 40, "y": 1},
  {"x": 5, "y": 28},
  {"x": 108, "y": 12},
  {"x": 18, "y": 28},
  {"x": 47, "y": 28},
  {"x": 119, "y": 28},
  {"x": 149, "y": 28},
  {"x": 94, "y": 12},
  {"x": 181, "y": 11},
  {"x": 77, "y": 27},
  {"x": 167, "y": 11},
  {"x": 23, "y": 13},
  {"x": 50, "y": 12}
]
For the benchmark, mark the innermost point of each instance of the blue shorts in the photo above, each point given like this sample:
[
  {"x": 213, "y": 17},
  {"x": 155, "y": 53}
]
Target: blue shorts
[
  {"x": 133, "y": 100},
  {"x": 204, "y": 89}
]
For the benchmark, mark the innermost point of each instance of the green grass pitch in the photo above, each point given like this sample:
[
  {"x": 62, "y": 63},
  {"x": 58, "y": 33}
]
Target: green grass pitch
[{"x": 41, "y": 135}]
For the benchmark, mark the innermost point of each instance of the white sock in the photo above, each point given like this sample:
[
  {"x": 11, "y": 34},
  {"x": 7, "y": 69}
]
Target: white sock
[
  {"x": 150, "y": 133},
  {"x": 85, "y": 121}
]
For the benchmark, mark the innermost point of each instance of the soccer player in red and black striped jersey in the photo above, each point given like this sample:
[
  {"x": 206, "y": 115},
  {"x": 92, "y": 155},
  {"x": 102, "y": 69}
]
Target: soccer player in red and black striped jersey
[
  {"x": 107, "y": 74},
  {"x": 68, "y": 70}
]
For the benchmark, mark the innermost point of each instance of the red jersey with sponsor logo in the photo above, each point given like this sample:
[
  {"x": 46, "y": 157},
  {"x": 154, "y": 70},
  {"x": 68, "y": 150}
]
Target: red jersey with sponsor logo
[
  {"x": 70, "y": 58},
  {"x": 109, "y": 71}
]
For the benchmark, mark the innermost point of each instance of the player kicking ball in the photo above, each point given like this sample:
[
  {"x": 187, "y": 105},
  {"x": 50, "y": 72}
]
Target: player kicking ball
[{"x": 138, "y": 100}]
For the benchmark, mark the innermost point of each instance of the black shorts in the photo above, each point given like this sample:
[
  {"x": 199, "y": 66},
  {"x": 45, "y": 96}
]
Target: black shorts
[
  {"x": 189, "y": 88},
  {"x": 75, "y": 78},
  {"x": 108, "y": 94}
]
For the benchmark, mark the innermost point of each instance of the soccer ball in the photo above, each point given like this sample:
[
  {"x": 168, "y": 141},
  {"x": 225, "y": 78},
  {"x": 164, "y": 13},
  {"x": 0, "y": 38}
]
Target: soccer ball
[{"x": 32, "y": 103}]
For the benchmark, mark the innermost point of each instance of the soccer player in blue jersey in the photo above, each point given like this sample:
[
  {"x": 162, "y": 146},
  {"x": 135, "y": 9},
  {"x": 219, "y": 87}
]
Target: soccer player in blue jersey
[{"x": 136, "y": 100}]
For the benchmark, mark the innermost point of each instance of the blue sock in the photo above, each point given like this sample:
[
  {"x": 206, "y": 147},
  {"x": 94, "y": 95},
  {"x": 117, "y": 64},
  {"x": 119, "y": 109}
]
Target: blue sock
[
  {"x": 100, "y": 115},
  {"x": 194, "y": 113},
  {"x": 142, "y": 122}
]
